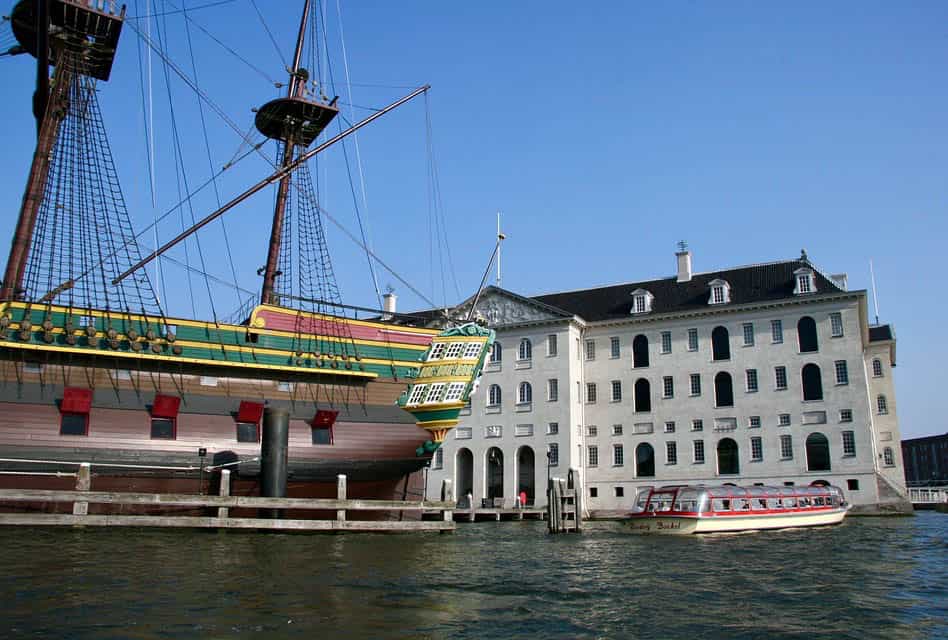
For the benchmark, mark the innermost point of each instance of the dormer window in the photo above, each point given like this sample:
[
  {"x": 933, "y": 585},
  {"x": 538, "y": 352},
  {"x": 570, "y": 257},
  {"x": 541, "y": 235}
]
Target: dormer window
[
  {"x": 804, "y": 281},
  {"x": 720, "y": 292},
  {"x": 641, "y": 301}
]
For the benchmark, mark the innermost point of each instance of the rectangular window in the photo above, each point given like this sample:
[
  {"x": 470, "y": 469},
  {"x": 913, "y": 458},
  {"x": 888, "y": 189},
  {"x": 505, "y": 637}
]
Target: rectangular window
[
  {"x": 692, "y": 339},
  {"x": 666, "y": 341},
  {"x": 836, "y": 325},
  {"x": 783, "y": 420},
  {"x": 617, "y": 391},
  {"x": 618, "y": 455},
  {"x": 842, "y": 372},
  {"x": 553, "y": 390},
  {"x": 593, "y": 492},
  {"x": 697, "y": 424},
  {"x": 671, "y": 453},
  {"x": 493, "y": 431},
  {"x": 780, "y": 378},
  {"x": 717, "y": 295},
  {"x": 803, "y": 283},
  {"x": 786, "y": 448},
  {"x": 553, "y": 454},
  {"x": 321, "y": 435},
  {"x": 748, "y": 334},
  {"x": 551, "y": 345},
  {"x": 668, "y": 387},
  {"x": 590, "y": 392},
  {"x": 617, "y": 429},
  {"x": 852, "y": 484},
  {"x": 757, "y": 449},
  {"x": 613, "y": 347},
  {"x": 248, "y": 432},
  {"x": 162, "y": 428},
  {"x": 523, "y": 430},
  {"x": 670, "y": 426},
  {"x": 286, "y": 387},
  {"x": 592, "y": 430},
  {"x": 593, "y": 456},
  {"x": 620, "y": 492},
  {"x": 849, "y": 443},
  {"x": 751, "y": 379},
  {"x": 553, "y": 428},
  {"x": 699, "y": 451},
  {"x": 208, "y": 381},
  {"x": 695, "y": 384},
  {"x": 438, "y": 458},
  {"x": 74, "y": 424},
  {"x": 590, "y": 349},
  {"x": 753, "y": 422},
  {"x": 845, "y": 415},
  {"x": 776, "y": 331},
  {"x": 463, "y": 433}
]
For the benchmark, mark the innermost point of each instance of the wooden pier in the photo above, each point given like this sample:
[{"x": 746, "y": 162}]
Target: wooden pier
[{"x": 81, "y": 498}]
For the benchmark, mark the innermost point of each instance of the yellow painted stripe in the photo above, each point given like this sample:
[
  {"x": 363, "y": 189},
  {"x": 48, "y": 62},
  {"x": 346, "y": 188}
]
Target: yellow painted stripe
[
  {"x": 434, "y": 424},
  {"x": 172, "y": 358},
  {"x": 433, "y": 379}
]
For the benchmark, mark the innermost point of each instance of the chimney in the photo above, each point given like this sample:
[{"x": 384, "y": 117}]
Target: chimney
[
  {"x": 684, "y": 262},
  {"x": 388, "y": 305}
]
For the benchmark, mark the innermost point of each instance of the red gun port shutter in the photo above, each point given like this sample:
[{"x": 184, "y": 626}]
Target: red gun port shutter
[
  {"x": 74, "y": 411},
  {"x": 248, "y": 421},
  {"x": 322, "y": 426},
  {"x": 164, "y": 416}
]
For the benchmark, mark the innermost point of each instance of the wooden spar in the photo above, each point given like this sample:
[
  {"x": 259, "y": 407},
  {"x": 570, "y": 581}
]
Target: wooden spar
[
  {"x": 277, "y": 175},
  {"x": 279, "y": 209}
]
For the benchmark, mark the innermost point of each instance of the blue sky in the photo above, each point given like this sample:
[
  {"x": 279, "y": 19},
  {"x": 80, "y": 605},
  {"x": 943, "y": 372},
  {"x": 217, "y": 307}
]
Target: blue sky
[{"x": 604, "y": 134}]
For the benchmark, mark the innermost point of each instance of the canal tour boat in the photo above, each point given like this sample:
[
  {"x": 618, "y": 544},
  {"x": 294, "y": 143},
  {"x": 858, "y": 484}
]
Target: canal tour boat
[{"x": 684, "y": 510}]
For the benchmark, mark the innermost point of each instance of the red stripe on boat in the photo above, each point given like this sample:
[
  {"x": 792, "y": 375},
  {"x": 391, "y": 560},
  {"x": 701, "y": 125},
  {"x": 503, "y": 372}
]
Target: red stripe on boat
[{"x": 294, "y": 323}]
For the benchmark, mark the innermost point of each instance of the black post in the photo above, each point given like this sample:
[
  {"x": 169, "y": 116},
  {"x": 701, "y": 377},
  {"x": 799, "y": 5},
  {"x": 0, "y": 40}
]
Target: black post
[{"x": 273, "y": 456}]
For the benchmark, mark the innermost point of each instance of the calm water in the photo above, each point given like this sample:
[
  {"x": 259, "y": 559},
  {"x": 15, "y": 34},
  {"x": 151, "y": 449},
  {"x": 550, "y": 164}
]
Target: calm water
[{"x": 869, "y": 578}]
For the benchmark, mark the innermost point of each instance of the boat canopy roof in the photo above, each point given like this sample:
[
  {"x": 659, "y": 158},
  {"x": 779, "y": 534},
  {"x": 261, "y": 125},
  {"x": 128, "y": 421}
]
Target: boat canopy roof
[{"x": 732, "y": 491}]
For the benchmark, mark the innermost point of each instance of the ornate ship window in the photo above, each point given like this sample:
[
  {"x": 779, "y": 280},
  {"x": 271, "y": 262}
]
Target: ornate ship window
[
  {"x": 164, "y": 417},
  {"x": 435, "y": 393},
  {"x": 437, "y": 351},
  {"x": 454, "y": 351},
  {"x": 74, "y": 410},
  {"x": 248, "y": 421},
  {"x": 453, "y": 394},
  {"x": 472, "y": 350},
  {"x": 418, "y": 393}
]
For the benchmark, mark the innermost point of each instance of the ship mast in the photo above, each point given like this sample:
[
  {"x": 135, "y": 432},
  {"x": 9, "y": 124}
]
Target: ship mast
[{"x": 82, "y": 33}]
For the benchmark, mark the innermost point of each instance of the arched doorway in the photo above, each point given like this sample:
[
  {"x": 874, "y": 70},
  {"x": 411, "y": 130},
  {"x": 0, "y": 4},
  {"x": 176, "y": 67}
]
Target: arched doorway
[
  {"x": 720, "y": 344},
  {"x": 639, "y": 351},
  {"x": 495, "y": 473},
  {"x": 812, "y": 382},
  {"x": 806, "y": 335},
  {"x": 817, "y": 452},
  {"x": 644, "y": 461},
  {"x": 464, "y": 475},
  {"x": 728, "y": 461},
  {"x": 526, "y": 473},
  {"x": 723, "y": 390}
]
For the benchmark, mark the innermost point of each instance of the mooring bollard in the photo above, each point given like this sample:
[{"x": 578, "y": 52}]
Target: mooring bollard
[
  {"x": 224, "y": 512},
  {"x": 341, "y": 495},
  {"x": 273, "y": 457},
  {"x": 83, "y": 483}
]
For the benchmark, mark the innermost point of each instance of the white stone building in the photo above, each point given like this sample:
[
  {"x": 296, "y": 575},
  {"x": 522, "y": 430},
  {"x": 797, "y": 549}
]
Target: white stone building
[{"x": 764, "y": 374}]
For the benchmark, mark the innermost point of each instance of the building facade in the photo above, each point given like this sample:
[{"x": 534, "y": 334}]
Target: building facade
[
  {"x": 926, "y": 460},
  {"x": 767, "y": 374}
]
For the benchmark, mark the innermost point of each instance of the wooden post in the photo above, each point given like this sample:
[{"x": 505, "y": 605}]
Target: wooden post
[
  {"x": 447, "y": 495},
  {"x": 83, "y": 483},
  {"x": 341, "y": 495},
  {"x": 224, "y": 512}
]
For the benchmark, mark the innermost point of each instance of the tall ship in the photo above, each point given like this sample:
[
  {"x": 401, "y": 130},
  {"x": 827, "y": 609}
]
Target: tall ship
[{"x": 95, "y": 369}]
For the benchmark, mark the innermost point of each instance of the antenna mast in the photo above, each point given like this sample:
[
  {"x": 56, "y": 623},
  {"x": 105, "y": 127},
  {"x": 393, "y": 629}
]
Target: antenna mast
[
  {"x": 500, "y": 236},
  {"x": 875, "y": 298}
]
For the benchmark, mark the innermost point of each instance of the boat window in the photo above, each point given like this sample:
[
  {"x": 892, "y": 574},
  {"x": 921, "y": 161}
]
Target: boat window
[
  {"x": 790, "y": 502},
  {"x": 661, "y": 502},
  {"x": 721, "y": 504},
  {"x": 759, "y": 503},
  {"x": 818, "y": 501},
  {"x": 687, "y": 501},
  {"x": 641, "y": 500},
  {"x": 774, "y": 503}
]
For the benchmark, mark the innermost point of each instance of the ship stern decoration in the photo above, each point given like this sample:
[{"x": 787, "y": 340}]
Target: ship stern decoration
[{"x": 447, "y": 377}]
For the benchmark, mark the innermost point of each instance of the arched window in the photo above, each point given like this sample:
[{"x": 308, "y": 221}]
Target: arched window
[
  {"x": 720, "y": 344},
  {"x": 525, "y": 393},
  {"x": 526, "y": 350},
  {"x": 806, "y": 335},
  {"x": 493, "y": 396},
  {"x": 817, "y": 452},
  {"x": 876, "y": 368},
  {"x": 723, "y": 390},
  {"x": 640, "y": 351},
  {"x": 644, "y": 461},
  {"x": 887, "y": 457},
  {"x": 496, "y": 353},
  {"x": 812, "y": 382},
  {"x": 882, "y": 405},
  {"x": 643, "y": 396},
  {"x": 728, "y": 460}
]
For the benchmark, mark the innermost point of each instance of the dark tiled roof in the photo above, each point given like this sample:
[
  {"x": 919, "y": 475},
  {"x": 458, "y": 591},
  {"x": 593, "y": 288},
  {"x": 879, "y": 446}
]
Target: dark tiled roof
[
  {"x": 880, "y": 332},
  {"x": 757, "y": 283}
]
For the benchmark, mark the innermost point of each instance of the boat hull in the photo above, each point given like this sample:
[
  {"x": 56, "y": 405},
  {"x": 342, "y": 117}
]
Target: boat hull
[{"x": 691, "y": 524}]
